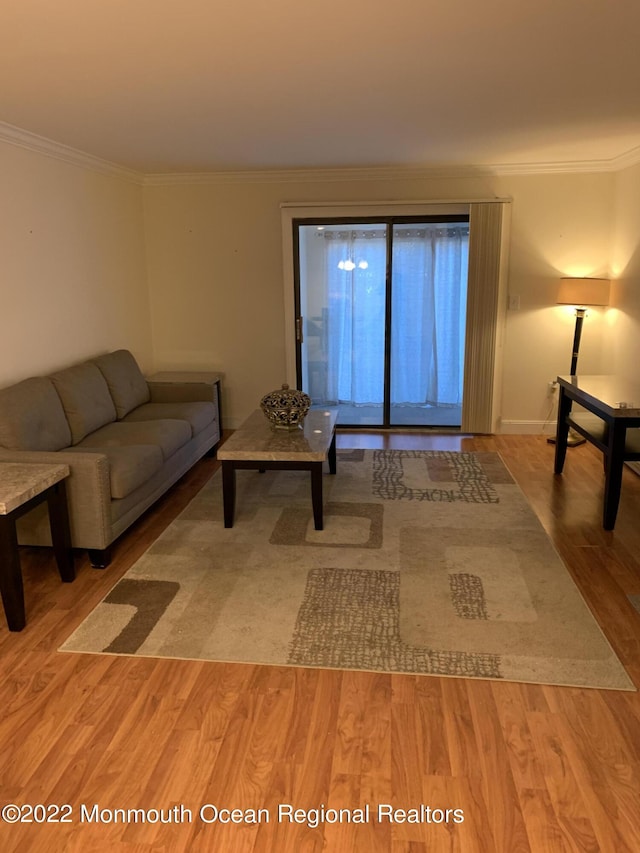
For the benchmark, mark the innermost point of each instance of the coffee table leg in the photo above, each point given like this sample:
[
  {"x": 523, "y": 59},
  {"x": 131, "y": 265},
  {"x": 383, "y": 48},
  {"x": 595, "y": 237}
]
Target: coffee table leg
[
  {"x": 228, "y": 492},
  {"x": 316, "y": 494},
  {"x": 11, "y": 575},
  {"x": 332, "y": 455}
]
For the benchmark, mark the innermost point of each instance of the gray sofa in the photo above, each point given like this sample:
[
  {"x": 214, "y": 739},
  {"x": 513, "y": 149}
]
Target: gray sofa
[{"x": 125, "y": 440}]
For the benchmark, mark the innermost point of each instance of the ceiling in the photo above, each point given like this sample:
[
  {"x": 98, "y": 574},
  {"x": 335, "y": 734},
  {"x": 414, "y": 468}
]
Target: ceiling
[{"x": 166, "y": 86}]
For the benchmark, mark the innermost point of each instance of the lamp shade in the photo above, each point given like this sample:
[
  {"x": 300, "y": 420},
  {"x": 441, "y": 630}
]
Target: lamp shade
[{"x": 583, "y": 291}]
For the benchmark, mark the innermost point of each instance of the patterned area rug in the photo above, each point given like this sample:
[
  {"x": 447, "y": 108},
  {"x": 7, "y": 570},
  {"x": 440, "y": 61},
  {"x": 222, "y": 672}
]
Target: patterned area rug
[{"x": 430, "y": 562}]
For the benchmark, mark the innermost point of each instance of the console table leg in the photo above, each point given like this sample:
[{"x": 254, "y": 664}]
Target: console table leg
[
  {"x": 11, "y": 575},
  {"x": 316, "y": 494},
  {"x": 562, "y": 430},
  {"x": 228, "y": 492},
  {"x": 613, "y": 474}
]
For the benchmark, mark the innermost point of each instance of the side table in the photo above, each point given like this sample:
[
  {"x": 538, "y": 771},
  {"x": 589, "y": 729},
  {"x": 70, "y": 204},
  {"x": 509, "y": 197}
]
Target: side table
[
  {"x": 208, "y": 381},
  {"x": 23, "y": 486}
]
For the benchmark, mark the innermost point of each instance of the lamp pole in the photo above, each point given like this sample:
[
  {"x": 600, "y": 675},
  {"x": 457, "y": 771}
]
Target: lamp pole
[{"x": 580, "y": 312}]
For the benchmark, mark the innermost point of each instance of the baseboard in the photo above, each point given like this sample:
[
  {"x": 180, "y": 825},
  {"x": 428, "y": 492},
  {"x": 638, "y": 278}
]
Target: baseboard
[{"x": 527, "y": 428}]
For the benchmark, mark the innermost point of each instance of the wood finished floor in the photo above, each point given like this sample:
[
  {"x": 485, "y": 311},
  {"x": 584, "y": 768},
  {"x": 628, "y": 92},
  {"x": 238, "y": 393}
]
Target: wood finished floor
[{"x": 534, "y": 768}]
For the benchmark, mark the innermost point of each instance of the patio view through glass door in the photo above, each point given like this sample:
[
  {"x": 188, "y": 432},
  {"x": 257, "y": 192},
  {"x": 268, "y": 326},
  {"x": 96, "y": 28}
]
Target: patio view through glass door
[{"x": 381, "y": 311}]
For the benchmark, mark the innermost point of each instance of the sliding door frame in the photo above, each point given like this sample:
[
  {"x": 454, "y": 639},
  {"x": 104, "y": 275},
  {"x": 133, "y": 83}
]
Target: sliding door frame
[
  {"x": 486, "y": 300},
  {"x": 388, "y": 223}
]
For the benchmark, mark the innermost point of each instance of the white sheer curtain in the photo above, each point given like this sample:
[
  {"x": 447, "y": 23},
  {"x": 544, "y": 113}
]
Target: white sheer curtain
[
  {"x": 429, "y": 279},
  {"x": 429, "y": 294},
  {"x": 356, "y": 316}
]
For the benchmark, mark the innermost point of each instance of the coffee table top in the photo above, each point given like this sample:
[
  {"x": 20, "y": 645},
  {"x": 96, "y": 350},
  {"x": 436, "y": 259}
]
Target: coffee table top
[{"x": 257, "y": 441}]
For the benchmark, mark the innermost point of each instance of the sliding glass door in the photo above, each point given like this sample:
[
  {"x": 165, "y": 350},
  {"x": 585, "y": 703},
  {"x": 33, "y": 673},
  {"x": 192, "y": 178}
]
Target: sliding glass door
[{"x": 380, "y": 318}]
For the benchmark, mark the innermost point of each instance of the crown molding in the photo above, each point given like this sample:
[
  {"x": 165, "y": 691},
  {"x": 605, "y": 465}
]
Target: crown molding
[
  {"x": 615, "y": 164},
  {"x": 558, "y": 168},
  {"x": 58, "y": 151},
  {"x": 319, "y": 175},
  {"x": 625, "y": 161},
  {"x": 393, "y": 173}
]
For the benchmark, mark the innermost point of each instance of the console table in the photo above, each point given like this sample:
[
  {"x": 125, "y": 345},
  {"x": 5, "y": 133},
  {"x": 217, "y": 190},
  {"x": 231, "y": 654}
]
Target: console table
[
  {"x": 615, "y": 403},
  {"x": 23, "y": 486},
  {"x": 257, "y": 445}
]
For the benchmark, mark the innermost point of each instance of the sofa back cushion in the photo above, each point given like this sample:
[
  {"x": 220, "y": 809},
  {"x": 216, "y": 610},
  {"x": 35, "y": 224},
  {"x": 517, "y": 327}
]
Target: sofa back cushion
[
  {"x": 127, "y": 385},
  {"x": 85, "y": 399},
  {"x": 32, "y": 417}
]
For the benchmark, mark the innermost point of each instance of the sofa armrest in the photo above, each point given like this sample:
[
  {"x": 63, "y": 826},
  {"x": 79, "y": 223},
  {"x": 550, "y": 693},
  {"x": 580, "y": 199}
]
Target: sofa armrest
[{"x": 88, "y": 494}]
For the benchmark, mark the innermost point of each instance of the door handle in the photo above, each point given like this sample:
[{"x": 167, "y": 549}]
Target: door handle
[{"x": 299, "y": 335}]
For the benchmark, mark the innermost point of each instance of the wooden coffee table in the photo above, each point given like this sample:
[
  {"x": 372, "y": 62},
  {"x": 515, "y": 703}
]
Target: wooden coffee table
[{"x": 258, "y": 446}]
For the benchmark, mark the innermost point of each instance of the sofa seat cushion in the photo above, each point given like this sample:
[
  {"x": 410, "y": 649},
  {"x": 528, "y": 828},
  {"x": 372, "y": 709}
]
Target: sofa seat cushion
[
  {"x": 199, "y": 415},
  {"x": 168, "y": 435},
  {"x": 130, "y": 466},
  {"x": 85, "y": 399},
  {"x": 32, "y": 417},
  {"x": 127, "y": 385}
]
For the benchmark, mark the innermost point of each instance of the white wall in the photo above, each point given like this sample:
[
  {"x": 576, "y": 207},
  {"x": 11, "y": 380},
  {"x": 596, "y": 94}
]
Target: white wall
[
  {"x": 624, "y": 319},
  {"x": 562, "y": 225},
  {"x": 78, "y": 247},
  {"x": 73, "y": 276},
  {"x": 216, "y": 275}
]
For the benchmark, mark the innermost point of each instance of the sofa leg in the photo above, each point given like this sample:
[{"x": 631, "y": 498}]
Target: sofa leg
[{"x": 99, "y": 559}]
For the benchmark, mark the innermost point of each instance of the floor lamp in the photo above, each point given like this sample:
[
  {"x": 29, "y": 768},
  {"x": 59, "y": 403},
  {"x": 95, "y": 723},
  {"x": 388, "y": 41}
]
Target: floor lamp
[{"x": 581, "y": 293}]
